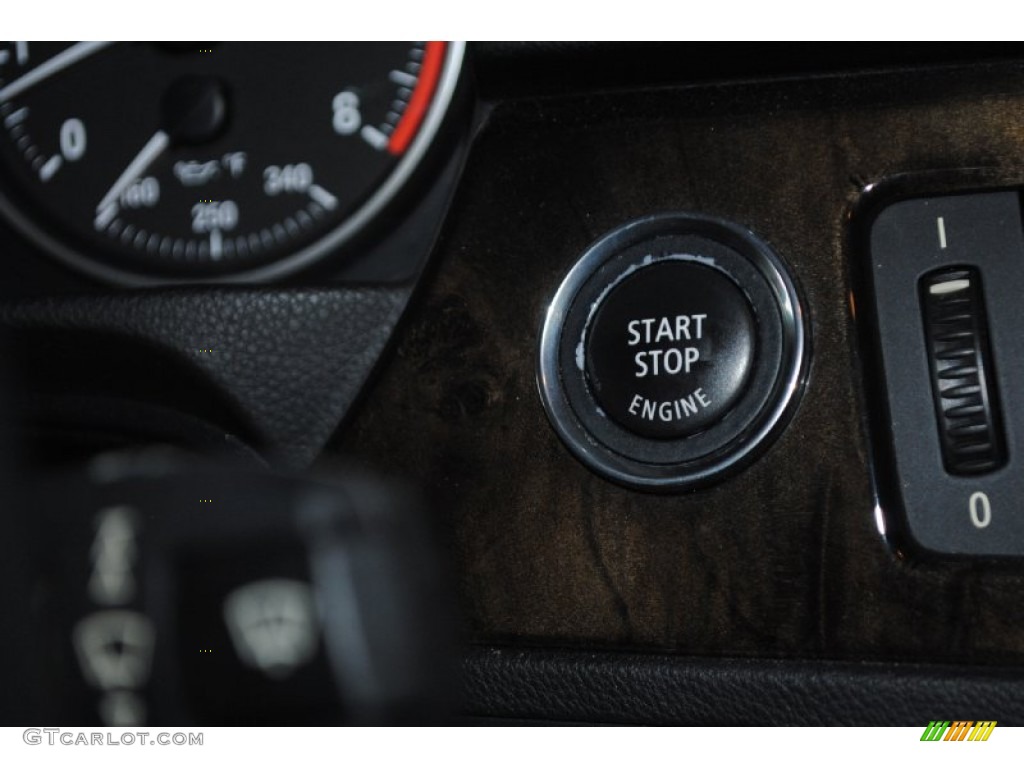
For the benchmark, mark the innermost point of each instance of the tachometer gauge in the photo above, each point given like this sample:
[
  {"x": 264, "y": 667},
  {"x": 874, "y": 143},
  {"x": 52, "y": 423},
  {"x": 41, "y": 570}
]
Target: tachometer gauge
[{"x": 141, "y": 161}]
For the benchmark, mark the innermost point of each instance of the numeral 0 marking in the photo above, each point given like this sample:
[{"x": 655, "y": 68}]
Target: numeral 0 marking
[
  {"x": 72, "y": 139},
  {"x": 981, "y": 509}
]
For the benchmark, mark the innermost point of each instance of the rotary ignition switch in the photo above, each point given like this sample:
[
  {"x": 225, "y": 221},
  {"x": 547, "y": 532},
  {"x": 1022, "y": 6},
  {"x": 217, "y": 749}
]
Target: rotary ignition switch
[{"x": 670, "y": 348}]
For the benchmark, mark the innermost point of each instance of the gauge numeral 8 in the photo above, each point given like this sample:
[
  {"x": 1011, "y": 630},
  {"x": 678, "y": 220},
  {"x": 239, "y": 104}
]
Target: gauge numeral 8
[
  {"x": 346, "y": 113},
  {"x": 207, "y": 217}
]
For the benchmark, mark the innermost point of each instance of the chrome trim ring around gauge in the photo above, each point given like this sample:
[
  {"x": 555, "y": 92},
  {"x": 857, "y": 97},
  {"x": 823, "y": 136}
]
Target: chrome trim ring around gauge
[
  {"x": 353, "y": 225},
  {"x": 672, "y": 465}
]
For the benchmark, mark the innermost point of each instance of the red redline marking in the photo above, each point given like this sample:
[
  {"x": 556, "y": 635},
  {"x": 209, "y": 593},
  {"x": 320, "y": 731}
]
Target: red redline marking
[{"x": 430, "y": 73}]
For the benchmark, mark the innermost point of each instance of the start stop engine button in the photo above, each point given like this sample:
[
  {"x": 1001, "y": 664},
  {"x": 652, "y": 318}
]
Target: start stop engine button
[
  {"x": 670, "y": 348},
  {"x": 672, "y": 352}
]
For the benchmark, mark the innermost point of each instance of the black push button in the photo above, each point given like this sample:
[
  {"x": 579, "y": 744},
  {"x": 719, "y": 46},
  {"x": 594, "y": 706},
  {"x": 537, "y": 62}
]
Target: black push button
[
  {"x": 670, "y": 349},
  {"x": 672, "y": 352},
  {"x": 970, "y": 427}
]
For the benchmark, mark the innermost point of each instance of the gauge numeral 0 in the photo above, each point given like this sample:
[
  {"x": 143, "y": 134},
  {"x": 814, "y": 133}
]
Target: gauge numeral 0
[
  {"x": 288, "y": 178},
  {"x": 207, "y": 217},
  {"x": 72, "y": 139},
  {"x": 346, "y": 113},
  {"x": 981, "y": 509}
]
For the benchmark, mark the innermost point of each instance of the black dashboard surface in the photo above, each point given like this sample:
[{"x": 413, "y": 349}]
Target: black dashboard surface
[{"x": 787, "y": 580}]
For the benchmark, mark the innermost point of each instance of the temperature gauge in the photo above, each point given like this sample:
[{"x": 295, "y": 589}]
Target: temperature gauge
[{"x": 137, "y": 161}]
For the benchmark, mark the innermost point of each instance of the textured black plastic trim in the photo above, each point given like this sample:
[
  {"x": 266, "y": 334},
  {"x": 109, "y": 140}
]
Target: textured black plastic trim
[
  {"x": 639, "y": 689},
  {"x": 289, "y": 362}
]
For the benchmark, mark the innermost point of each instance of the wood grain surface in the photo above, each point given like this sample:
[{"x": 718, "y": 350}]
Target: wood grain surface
[{"x": 783, "y": 560}]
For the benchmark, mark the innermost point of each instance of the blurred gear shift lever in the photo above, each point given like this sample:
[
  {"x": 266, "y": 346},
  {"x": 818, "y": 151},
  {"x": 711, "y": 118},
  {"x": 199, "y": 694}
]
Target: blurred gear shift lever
[{"x": 161, "y": 590}]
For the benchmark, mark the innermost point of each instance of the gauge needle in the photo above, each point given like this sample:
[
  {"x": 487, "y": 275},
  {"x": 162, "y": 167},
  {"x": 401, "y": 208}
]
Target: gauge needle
[
  {"x": 108, "y": 205},
  {"x": 51, "y": 66}
]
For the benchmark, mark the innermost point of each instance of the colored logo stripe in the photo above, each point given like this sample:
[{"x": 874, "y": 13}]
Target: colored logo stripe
[
  {"x": 982, "y": 730},
  {"x": 958, "y": 730}
]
